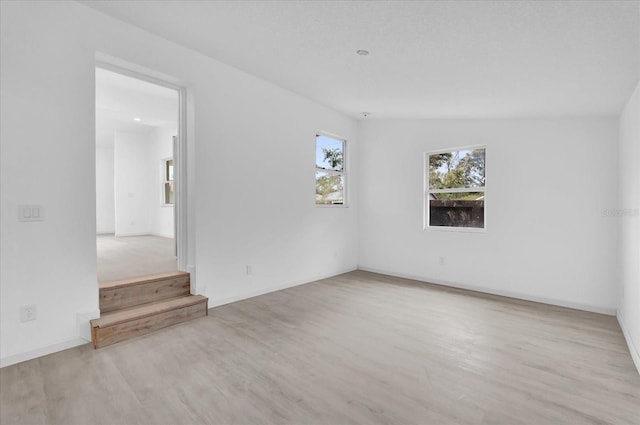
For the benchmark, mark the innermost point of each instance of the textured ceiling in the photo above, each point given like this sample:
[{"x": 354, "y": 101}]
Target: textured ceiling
[{"x": 429, "y": 59}]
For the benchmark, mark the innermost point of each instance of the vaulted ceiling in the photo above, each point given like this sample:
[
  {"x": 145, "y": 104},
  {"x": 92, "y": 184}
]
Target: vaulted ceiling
[{"x": 427, "y": 59}]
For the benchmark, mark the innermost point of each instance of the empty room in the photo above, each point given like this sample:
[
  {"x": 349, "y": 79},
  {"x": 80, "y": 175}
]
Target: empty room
[{"x": 400, "y": 212}]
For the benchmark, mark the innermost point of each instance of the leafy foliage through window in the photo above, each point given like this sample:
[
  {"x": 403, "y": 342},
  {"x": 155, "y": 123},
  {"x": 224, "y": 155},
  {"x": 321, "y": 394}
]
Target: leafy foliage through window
[
  {"x": 455, "y": 194},
  {"x": 330, "y": 172}
]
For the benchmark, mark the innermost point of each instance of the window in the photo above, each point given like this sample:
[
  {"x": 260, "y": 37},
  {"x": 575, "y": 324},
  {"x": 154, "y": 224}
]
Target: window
[
  {"x": 330, "y": 171},
  {"x": 168, "y": 182},
  {"x": 455, "y": 194}
]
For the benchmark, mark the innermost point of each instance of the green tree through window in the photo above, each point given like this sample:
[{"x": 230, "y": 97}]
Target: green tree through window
[
  {"x": 330, "y": 173},
  {"x": 456, "y": 188}
]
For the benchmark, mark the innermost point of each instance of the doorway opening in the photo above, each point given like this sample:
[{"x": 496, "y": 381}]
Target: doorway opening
[{"x": 137, "y": 189}]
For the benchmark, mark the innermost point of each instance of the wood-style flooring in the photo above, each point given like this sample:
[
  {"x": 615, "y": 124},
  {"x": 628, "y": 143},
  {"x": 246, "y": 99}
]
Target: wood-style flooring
[
  {"x": 359, "y": 348},
  {"x": 131, "y": 256}
]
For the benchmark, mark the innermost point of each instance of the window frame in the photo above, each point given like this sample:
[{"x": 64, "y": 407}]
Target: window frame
[
  {"x": 342, "y": 173},
  {"x": 165, "y": 181},
  {"x": 426, "y": 214}
]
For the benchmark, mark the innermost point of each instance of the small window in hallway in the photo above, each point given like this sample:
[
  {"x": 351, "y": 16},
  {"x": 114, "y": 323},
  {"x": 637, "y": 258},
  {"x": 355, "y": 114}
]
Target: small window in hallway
[{"x": 168, "y": 182}]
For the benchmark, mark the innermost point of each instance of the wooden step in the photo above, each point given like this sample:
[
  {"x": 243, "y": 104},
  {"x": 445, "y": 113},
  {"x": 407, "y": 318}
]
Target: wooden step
[
  {"x": 126, "y": 293},
  {"x": 130, "y": 322}
]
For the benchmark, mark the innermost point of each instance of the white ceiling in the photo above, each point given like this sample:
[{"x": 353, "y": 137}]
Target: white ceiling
[
  {"x": 120, "y": 99},
  {"x": 428, "y": 59}
]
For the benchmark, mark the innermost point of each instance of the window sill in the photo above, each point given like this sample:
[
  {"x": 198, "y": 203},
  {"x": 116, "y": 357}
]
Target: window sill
[
  {"x": 456, "y": 229},
  {"x": 332, "y": 206}
]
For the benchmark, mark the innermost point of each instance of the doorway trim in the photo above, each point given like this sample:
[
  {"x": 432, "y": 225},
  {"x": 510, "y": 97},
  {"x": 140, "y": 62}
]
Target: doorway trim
[{"x": 180, "y": 152}]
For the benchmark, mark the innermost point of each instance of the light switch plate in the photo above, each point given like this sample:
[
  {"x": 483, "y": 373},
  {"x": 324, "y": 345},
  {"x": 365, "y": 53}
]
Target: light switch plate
[{"x": 30, "y": 213}]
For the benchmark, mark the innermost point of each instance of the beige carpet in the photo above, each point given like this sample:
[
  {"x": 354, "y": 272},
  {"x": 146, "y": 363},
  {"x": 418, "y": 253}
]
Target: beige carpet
[{"x": 130, "y": 256}]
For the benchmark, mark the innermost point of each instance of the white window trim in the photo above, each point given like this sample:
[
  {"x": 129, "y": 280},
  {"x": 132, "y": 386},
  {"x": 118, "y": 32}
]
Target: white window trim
[
  {"x": 343, "y": 173},
  {"x": 426, "y": 191}
]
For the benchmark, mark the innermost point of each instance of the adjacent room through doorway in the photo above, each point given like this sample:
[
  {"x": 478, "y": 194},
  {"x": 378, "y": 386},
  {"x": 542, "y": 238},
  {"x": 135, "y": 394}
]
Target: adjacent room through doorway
[{"x": 136, "y": 130}]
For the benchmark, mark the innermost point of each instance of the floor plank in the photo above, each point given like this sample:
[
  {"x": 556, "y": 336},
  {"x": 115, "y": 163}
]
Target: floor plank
[
  {"x": 131, "y": 256},
  {"x": 353, "y": 349}
]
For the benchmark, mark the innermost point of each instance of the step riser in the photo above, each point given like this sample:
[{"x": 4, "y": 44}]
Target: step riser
[
  {"x": 138, "y": 306},
  {"x": 117, "y": 298},
  {"x": 141, "y": 326}
]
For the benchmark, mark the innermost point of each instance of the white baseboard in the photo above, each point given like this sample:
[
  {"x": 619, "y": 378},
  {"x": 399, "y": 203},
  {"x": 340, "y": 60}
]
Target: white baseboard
[
  {"x": 122, "y": 235},
  {"x": 39, "y": 352},
  {"x": 162, "y": 235},
  {"x": 510, "y": 294},
  {"x": 246, "y": 295},
  {"x": 635, "y": 354}
]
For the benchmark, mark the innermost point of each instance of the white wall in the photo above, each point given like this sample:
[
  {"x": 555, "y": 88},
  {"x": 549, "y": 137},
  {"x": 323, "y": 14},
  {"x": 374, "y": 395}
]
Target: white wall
[
  {"x": 161, "y": 149},
  {"x": 256, "y": 192},
  {"x": 45, "y": 75},
  {"x": 105, "y": 206},
  {"x": 131, "y": 173},
  {"x": 628, "y": 216},
  {"x": 134, "y": 183},
  {"x": 244, "y": 213},
  {"x": 548, "y": 182}
]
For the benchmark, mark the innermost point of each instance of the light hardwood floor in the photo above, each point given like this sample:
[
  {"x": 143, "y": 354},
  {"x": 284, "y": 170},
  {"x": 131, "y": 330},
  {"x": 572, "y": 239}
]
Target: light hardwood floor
[
  {"x": 359, "y": 348},
  {"x": 132, "y": 256}
]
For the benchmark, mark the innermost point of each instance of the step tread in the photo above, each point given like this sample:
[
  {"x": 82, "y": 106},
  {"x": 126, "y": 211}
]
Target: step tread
[
  {"x": 146, "y": 310},
  {"x": 127, "y": 293},
  {"x": 140, "y": 280}
]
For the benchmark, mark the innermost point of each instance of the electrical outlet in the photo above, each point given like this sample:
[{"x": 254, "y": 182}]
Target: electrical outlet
[
  {"x": 249, "y": 271},
  {"x": 28, "y": 313},
  {"x": 442, "y": 261}
]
